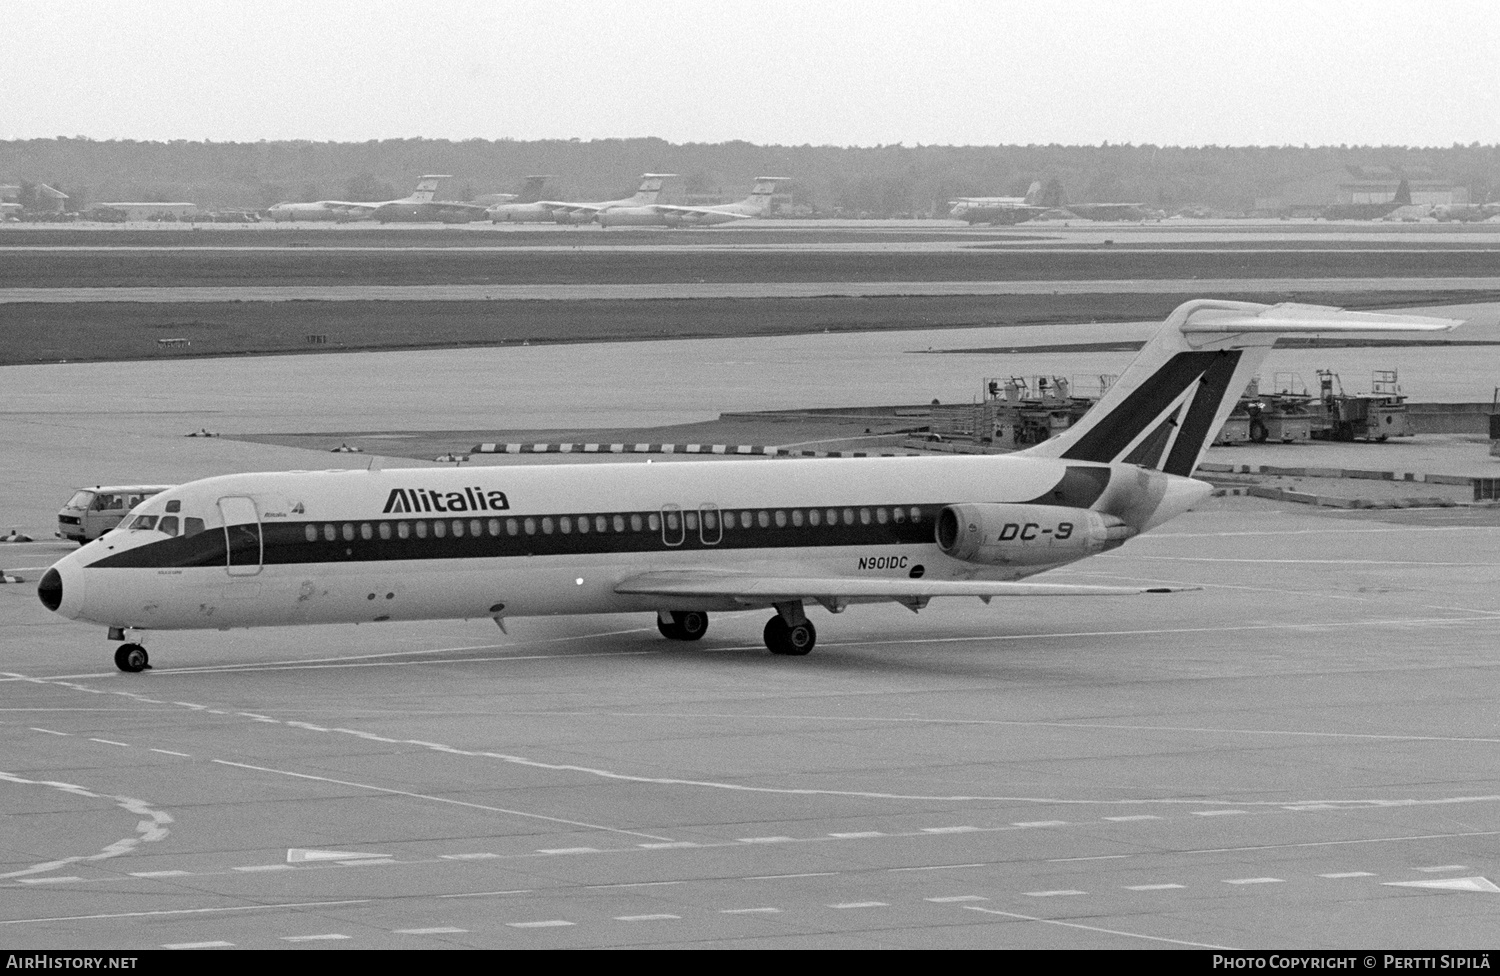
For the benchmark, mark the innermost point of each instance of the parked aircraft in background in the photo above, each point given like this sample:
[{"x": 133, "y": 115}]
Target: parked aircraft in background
[
  {"x": 522, "y": 208},
  {"x": 1040, "y": 201},
  {"x": 583, "y": 213},
  {"x": 354, "y": 209},
  {"x": 688, "y": 539},
  {"x": 671, "y": 215}
]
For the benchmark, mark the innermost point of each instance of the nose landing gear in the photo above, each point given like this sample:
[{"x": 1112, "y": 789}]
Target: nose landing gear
[{"x": 132, "y": 658}]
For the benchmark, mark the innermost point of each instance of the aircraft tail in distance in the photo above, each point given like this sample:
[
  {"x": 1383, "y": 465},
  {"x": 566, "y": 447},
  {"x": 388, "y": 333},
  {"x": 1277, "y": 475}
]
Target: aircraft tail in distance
[
  {"x": 1168, "y": 405},
  {"x": 650, "y": 188},
  {"x": 531, "y": 189},
  {"x": 426, "y": 189}
]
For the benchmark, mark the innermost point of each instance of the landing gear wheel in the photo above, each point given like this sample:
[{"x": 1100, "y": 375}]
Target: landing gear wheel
[
  {"x": 685, "y": 625},
  {"x": 131, "y": 658},
  {"x": 790, "y": 639}
]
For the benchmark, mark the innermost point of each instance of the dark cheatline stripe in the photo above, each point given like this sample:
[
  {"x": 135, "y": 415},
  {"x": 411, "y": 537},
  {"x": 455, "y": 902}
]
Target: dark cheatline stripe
[
  {"x": 1108, "y": 440},
  {"x": 1196, "y": 427},
  {"x": 286, "y": 543}
]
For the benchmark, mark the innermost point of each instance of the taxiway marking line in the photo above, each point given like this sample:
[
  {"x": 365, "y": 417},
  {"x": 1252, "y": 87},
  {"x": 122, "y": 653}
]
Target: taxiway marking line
[
  {"x": 436, "y": 930},
  {"x": 199, "y": 945},
  {"x": 49, "y": 731},
  {"x": 331, "y": 936},
  {"x": 1444, "y": 867},
  {"x": 861, "y": 904},
  {"x": 1154, "y": 887},
  {"x": 391, "y": 664},
  {"x": 1339, "y": 843},
  {"x": 489, "y": 894},
  {"x": 187, "y": 911},
  {"x": 646, "y": 918},
  {"x": 749, "y": 911},
  {"x": 1349, "y": 874},
  {"x": 952, "y": 899},
  {"x": 938, "y": 867},
  {"x": 548, "y": 924},
  {"x": 1254, "y": 881},
  {"x": 1094, "y": 928},
  {"x": 435, "y": 799}
]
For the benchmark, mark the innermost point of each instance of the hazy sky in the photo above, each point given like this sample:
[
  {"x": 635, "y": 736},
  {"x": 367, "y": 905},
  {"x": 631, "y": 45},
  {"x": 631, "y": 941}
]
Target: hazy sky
[{"x": 767, "y": 71}]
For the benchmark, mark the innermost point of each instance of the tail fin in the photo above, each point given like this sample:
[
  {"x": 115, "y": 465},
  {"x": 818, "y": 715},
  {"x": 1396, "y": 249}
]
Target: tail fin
[
  {"x": 1170, "y": 402},
  {"x": 651, "y": 184},
  {"x": 763, "y": 191},
  {"x": 531, "y": 191},
  {"x": 1033, "y": 192},
  {"x": 426, "y": 187}
]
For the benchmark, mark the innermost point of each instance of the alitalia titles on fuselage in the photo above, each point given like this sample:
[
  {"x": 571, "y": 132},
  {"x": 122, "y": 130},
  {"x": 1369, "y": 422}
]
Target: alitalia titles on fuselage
[{"x": 476, "y": 499}]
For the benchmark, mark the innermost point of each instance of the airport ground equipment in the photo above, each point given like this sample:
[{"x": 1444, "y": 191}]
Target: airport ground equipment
[
  {"x": 91, "y": 512},
  {"x": 1495, "y": 424},
  {"x": 1375, "y": 416},
  {"x": 1285, "y": 415},
  {"x": 1015, "y": 412}
]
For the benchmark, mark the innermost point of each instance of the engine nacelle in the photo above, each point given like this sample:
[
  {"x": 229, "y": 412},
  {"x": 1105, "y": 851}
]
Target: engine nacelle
[{"x": 1026, "y": 535}]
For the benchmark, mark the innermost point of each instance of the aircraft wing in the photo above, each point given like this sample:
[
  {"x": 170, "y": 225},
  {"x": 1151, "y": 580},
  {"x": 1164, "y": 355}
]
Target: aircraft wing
[
  {"x": 350, "y": 206},
  {"x": 832, "y": 591},
  {"x": 559, "y": 207},
  {"x": 668, "y": 208}
]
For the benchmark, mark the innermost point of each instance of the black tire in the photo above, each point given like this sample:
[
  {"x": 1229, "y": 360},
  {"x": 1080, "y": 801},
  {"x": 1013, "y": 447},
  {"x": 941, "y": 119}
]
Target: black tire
[
  {"x": 686, "y": 625},
  {"x": 132, "y": 658},
  {"x": 791, "y": 641}
]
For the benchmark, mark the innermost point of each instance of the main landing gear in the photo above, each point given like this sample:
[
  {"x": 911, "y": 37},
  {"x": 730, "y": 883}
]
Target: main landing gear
[
  {"x": 790, "y": 632},
  {"x": 132, "y": 658},
  {"x": 683, "y": 625}
]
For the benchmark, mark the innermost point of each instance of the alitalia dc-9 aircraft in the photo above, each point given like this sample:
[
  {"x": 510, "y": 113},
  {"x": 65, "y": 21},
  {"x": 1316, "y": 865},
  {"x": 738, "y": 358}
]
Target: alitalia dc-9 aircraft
[{"x": 684, "y": 540}]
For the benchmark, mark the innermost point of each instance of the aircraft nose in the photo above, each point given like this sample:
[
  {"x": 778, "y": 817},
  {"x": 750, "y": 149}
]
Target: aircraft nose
[{"x": 50, "y": 590}]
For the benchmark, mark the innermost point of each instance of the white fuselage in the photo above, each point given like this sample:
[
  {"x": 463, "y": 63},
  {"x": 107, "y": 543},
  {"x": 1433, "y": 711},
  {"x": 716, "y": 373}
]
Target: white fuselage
[{"x": 413, "y": 544}]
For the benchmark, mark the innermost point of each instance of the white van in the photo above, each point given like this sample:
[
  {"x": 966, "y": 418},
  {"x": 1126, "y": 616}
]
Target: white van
[{"x": 91, "y": 512}]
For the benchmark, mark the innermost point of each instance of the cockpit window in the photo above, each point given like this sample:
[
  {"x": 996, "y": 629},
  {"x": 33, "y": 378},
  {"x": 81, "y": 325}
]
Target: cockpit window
[
  {"x": 168, "y": 524},
  {"x": 175, "y": 505},
  {"x": 143, "y": 522}
]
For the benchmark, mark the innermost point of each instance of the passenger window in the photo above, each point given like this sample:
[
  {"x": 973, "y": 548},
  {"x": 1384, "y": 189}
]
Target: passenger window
[
  {"x": 583, "y": 524},
  {"x": 780, "y": 519},
  {"x": 672, "y": 523},
  {"x": 833, "y": 516},
  {"x": 105, "y": 502},
  {"x": 710, "y": 521},
  {"x": 814, "y": 517},
  {"x": 512, "y": 527},
  {"x": 654, "y": 521},
  {"x": 848, "y": 516},
  {"x": 458, "y": 528},
  {"x": 329, "y": 532},
  {"x": 168, "y": 524},
  {"x": 728, "y": 520},
  {"x": 565, "y": 524},
  {"x": 494, "y": 527},
  {"x": 476, "y": 529},
  {"x": 864, "y": 516},
  {"x": 366, "y": 531},
  {"x": 547, "y": 525},
  {"x": 899, "y": 514},
  {"x": 635, "y": 523},
  {"x": 763, "y": 519},
  {"x": 385, "y": 530},
  {"x": 881, "y": 516},
  {"x": 421, "y": 528},
  {"x": 619, "y": 521},
  {"x": 797, "y": 517},
  {"x": 403, "y": 530},
  {"x": 439, "y": 528},
  {"x": 531, "y": 526},
  {"x": 311, "y": 532},
  {"x": 348, "y": 531},
  {"x": 690, "y": 519},
  {"x": 192, "y": 526},
  {"x": 746, "y": 520},
  {"x": 916, "y": 514},
  {"x": 601, "y": 524}
]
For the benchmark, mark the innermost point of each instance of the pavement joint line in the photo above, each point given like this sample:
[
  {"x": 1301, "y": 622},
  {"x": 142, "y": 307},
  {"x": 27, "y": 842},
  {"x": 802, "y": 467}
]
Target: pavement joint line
[{"x": 1092, "y": 928}]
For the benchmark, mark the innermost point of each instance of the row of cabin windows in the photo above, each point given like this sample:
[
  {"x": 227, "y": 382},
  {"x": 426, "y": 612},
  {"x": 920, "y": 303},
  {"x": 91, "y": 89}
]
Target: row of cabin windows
[{"x": 676, "y": 522}]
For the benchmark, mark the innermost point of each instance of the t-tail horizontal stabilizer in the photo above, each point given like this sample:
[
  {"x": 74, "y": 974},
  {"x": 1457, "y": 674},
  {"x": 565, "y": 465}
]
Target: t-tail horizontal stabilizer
[{"x": 1168, "y": 405}]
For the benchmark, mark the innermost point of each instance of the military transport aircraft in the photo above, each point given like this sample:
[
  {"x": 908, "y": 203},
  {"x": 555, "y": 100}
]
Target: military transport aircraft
[
  {"x": 687, "y": 539},
  {"x": 418, "y": 206},
  {"x": 671, "y": 215},
  {"x": 583, "y": 213}
]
